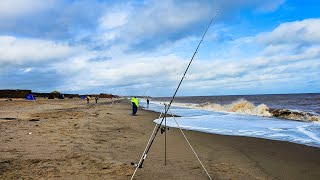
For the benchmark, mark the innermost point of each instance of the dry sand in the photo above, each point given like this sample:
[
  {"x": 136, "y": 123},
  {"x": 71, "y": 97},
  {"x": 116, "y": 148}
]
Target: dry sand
[{"x": 68, "y": 139}]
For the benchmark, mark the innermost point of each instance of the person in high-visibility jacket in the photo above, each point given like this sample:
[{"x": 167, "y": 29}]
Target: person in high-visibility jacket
[
  {"x": 88, "y": 99},
  {"x": 135, "y": 105}
]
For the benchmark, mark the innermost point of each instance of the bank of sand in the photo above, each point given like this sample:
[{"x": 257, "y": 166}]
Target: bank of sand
[{"x": 68, "y": 139}]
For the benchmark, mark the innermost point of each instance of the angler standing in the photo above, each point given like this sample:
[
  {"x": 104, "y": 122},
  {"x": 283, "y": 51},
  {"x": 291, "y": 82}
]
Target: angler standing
[
  {"x": 135, "y": 105},
  {"x": 148, "y": 103}
]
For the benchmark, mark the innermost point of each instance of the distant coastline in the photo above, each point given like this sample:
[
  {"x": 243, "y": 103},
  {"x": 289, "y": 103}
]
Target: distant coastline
[{"x": 22, "y": 93}]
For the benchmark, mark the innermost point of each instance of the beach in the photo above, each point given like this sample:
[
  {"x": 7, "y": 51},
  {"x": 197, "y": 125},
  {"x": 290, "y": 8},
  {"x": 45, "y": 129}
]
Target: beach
[{"x": 70, "y": 139}]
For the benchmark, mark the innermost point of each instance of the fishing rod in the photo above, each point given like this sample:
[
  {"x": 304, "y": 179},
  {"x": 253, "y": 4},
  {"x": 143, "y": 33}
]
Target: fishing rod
[
  {"x": 145, "y": 92},
  {"x": 158, "y": 126}
]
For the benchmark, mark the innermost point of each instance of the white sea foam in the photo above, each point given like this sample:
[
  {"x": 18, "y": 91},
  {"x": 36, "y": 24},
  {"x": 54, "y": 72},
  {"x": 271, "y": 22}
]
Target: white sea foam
[
  {"x": 236, "y": 124},
  {"x": 278, "y": 135},
  {"x": 276, "y": 129},
  {"x": 241, "y": 106},
  {"x": 312, "y": 135}
]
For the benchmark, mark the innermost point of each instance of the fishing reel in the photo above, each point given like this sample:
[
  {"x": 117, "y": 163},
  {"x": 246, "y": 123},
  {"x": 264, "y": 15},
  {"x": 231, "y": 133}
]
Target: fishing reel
[
  {"x": 163, "y": 129},
  {"x": 136, "y": 165}
]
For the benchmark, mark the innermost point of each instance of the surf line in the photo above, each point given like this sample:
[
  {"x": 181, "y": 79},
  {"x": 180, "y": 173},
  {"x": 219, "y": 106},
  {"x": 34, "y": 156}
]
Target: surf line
[{"x": 158, "y": 126}]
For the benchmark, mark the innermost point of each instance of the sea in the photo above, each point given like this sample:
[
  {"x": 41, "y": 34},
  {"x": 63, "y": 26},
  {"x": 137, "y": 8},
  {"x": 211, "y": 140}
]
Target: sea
[{"x": 284, "y": 117}]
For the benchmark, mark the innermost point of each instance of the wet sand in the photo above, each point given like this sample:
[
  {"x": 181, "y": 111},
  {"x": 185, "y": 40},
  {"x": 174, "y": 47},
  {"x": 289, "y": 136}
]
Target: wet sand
[{"x": 69, "y": 139}]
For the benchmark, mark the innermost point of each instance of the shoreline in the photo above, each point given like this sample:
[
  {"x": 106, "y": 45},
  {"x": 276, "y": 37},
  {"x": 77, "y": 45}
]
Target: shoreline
[
  {"x": 251, "y": 157},
  {"x": 73, "y": 140},
  {"x": 264, "y": 127},
  {"x": 246, "y": 107}
]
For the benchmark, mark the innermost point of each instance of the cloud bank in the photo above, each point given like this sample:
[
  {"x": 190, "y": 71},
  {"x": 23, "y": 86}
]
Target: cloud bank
[{"x": 128, "y": 47}]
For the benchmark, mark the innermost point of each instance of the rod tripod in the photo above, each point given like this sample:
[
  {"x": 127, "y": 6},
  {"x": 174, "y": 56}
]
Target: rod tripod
[
  {"x": 158, "y": 126},
  {"x": 152, "y": 137},
  {"x": 163, "y": 130}
]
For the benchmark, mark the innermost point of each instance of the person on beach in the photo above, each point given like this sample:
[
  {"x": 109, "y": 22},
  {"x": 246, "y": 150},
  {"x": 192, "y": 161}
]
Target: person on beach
[
  {"x": 96, "y": 99},
  {"x": 148, "y": 103},
  {"x": 135, "y": 105},
  {"x": 88, "y": 99}
]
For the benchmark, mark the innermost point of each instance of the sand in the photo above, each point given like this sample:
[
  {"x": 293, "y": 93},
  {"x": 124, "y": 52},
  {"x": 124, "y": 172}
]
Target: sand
[{"x": 69, "y": 139}]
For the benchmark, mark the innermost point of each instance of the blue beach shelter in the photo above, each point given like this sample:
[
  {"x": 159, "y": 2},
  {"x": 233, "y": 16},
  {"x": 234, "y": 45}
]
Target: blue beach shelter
[
  {"x": 83, "y": 97},
  {"x": 30, "y": 97}
]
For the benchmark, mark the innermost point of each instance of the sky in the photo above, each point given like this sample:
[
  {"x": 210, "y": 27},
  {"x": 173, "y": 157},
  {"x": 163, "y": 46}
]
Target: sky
[{"x": 142, "y": 47}]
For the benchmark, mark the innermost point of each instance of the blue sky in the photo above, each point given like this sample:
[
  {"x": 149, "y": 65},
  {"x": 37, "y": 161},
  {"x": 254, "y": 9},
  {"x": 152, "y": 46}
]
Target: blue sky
[{"x": 129, "y": 47}]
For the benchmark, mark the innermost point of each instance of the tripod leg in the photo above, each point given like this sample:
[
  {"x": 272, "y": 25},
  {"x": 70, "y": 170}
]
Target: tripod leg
[{"x": 165, "y": 138}]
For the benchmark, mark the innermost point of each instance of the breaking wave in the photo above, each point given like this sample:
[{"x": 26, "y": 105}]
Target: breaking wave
[
  {"x": 295, "y": 115},
  {"x": 243, "y": 106}
]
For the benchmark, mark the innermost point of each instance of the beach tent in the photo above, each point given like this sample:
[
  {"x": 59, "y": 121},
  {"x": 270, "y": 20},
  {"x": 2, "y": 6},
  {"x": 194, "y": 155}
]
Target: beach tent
[
  {"x": 30, "y": 97},
  {"x": 83, "y": 97}
]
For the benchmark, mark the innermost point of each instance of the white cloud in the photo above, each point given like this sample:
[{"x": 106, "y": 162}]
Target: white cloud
[
  {"x": 26, "y": 70},
  {"x": 268, "y": 69},
  {"x": 132, "y": 70},
  {"x": 283, "y": 55},
  {"x": 112, "y": 20},
  {"x": 154, "y": 18},
  {"x": 158, "y": 22},
  {"x": 306, "y": 31},
  {"x": 291, "y": 42},
  {"x": 25, "y": 50},
  {"x": 279, "y": 49},
  {"x": 16, "y": 8}
]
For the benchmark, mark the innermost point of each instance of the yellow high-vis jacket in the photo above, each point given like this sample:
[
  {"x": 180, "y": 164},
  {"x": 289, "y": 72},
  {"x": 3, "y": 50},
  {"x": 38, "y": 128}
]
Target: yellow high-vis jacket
[{"x": 135, "y": 101}]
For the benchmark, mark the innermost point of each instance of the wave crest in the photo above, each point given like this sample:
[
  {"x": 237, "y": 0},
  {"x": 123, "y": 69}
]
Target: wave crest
[
  {"x": 294, "y": 115},
  {"x": 241, "y": 106}
]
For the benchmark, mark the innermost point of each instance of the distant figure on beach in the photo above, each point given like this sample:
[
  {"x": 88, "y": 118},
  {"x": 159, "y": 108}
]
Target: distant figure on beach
[
  {"x": 135, "y": 105},
  {"x": 96, "y": 99},
  {"x": 147, "y": 103},
  {"x": 88, "y": 99}
]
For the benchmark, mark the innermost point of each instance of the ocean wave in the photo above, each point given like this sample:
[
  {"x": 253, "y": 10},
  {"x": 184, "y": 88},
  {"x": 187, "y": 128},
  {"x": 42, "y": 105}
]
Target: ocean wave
[
  {"x": 295, "y": 115},
  {"x": 243, "y": 106}
]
